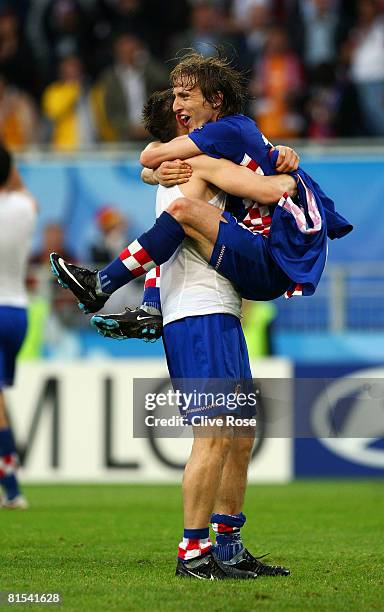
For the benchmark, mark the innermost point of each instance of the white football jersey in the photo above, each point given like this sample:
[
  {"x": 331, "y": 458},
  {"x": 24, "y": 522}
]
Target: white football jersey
[
  {"x": 188, "y": 285},
  {"x": 17, "y": 220}
]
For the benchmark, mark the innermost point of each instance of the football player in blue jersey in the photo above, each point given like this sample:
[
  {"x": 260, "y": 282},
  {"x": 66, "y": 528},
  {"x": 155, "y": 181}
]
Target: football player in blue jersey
[{"x": 208, "y": 97}]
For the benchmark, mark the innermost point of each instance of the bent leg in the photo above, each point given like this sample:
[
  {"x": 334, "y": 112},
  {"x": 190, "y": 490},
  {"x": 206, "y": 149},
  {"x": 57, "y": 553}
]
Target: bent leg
[
  {"x": 160, "y": 242},
  {"x": 232, "y": 250},
  {"x": 200, "y": 222}
]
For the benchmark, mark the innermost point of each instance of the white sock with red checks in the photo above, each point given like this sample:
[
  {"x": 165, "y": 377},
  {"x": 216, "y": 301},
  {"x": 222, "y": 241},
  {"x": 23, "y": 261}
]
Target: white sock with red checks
[
  {"x": 195, "y": 543},
  {"x": 152, "y": 248}
]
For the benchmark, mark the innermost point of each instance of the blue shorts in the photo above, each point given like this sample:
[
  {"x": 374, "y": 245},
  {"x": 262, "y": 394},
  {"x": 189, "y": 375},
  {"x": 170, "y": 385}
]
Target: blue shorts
[
  {"x": 244, "y": 258},
  {"x": 208, "y": 354},
  {"x": 13, "y": 327}
]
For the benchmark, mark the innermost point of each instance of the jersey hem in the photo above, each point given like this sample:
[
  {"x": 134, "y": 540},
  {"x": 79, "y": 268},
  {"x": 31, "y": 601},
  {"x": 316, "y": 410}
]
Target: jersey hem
[{"x": 193, "y": 313}]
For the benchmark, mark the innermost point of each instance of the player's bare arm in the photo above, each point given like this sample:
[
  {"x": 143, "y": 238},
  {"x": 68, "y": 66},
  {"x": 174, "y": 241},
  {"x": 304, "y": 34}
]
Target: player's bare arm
[
  {"x": 226, "y": 175},
  {"x": 183, "y": 148},
  {"x": 241, "y": 181},
  {"x": 171, "y": 173}
]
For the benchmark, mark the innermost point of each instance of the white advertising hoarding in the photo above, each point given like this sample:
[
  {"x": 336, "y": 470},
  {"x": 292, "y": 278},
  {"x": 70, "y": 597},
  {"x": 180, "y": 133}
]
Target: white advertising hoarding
[{"x": 73, "y": 421}]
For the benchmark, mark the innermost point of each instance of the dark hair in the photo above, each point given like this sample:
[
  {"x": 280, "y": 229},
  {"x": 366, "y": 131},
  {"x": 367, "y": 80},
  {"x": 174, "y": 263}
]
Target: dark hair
[
  {"x": 212, "y": 75},
  {"x": 5, "y": 165},
  {"x": 158, "y": 116}
]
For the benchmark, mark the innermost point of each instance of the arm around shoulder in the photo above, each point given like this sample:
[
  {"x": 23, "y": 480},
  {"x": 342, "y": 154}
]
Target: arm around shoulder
[
  {"x": 242, "y": 182},
  {"x": 181, "y": 147}
]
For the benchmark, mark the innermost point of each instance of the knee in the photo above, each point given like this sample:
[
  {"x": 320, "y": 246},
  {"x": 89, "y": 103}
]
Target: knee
[{"x": 179, "y": 209}]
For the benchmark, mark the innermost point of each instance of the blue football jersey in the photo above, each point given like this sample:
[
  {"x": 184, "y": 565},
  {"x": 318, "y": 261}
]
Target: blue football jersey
[
  {"x": 299, "y": 251},
  {"x": 237, "y": 138}
]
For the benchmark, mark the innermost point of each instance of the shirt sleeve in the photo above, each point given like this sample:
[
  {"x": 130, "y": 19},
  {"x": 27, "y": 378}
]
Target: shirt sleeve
[{"x": 217, "y": 139}]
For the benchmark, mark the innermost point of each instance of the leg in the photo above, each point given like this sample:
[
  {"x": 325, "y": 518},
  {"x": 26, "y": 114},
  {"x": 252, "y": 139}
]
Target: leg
[
  {"x": 151, "y": 249},
  {"x": 230, "y": 494},
  {"x": 199, "y": 220},
  {"x": 8, "y": 462},
  {"x": 184, "y": 217},
  {"x": 202, "y": 475},
  {"x": 236, "y": 253},
  {"x": 228, "y": 519}
]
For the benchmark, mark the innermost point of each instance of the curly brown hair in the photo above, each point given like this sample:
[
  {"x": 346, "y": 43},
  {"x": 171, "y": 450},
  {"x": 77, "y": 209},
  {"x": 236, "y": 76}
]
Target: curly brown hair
[
  {"x": 213, "y": 75},
  {"x": 158, "y": 117}
]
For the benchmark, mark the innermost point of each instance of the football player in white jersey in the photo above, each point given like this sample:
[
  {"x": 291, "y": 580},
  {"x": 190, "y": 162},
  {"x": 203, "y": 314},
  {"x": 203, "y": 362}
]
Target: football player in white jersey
[
  {"x": 203, "y": 339},
  {"x": 18, "y": 212}
]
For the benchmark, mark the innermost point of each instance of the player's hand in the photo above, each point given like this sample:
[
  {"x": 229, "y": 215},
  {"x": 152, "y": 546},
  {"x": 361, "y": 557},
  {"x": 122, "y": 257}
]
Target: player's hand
[
  {"x": 172, "y": 173},
  {"x": 288, "y": 160}
]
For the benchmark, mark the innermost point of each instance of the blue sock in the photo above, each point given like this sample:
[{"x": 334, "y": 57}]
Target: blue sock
[
  {"x": 8, "y": 464},
  {"x": 153, "y": 248},
  {"x": 151, "y": 297},
  {"x": 228, "y": 537},
  {"x": 195, "y": 543}
]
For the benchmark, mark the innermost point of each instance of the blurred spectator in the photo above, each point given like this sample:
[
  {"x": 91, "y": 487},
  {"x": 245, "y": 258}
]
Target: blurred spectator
[
  {"x": 17, "y": 61},
  {"x": 67, "y": 104},
  {"x": 38, "y": 313},
  {"x": 66, "y": 30},
  {"x": 57, "y": 335},
  {"x": 277, "y": 83},
  {"x": 18, "y": 117},
  {"x": 365, "y": 52},
  {"x": 147, "y": 19},
  {"x": 324, "y": 103},
  {"x": 208, "y": 30},
  {"x": 113, "y": 236},
  {"x": 127, "y": 85},
  {"x": 319, "y": 21},
  {"x": 339, "y": 43},
  {"x": 259, "y": 318},
  {"x": 52, "y": 241},
  {"x": 256, "y": 28},
  {"x": 20, "y": 8},
  {"x": 205, "y": 32},
  {"x": 241, "y": 9}
]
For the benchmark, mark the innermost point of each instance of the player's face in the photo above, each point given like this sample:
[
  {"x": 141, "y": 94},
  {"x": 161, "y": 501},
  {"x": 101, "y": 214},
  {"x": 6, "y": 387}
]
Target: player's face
[{"x": 191, "y": 108}]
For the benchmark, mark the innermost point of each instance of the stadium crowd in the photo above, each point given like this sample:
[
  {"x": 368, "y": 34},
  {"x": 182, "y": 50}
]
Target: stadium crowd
[{"x": 77, "y": 72}]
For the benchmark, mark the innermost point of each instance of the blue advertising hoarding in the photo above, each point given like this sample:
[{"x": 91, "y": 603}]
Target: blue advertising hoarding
[{"x": 339, "y": 420}]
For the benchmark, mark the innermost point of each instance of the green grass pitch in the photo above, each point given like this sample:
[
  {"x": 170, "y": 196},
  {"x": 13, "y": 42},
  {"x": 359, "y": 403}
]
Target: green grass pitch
[{"x": 114, "y": 548}]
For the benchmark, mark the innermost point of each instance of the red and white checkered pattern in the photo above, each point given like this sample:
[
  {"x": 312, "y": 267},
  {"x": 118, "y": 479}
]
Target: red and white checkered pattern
[
  {"x": 152, "y": 279},
  {"x": 136, "y": 259},
  {"x": 223, "y": 528},
  {"x": 8, "y": 465},
  {"x": 190, "y": 548},
  {"x": 258, "y": 218}
]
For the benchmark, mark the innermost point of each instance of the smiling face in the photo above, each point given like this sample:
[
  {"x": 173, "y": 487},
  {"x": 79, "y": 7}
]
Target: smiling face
[{"x": 191, "y": 108}]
